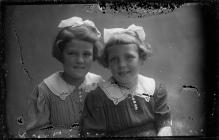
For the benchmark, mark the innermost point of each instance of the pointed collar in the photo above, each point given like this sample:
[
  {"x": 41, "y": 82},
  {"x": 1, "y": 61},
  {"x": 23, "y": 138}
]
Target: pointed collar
[
  {"x": 145, "y": 86},
  {"x": 62, "y": 89}
]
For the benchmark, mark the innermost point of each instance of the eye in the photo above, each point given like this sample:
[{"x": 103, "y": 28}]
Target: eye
[
  {"x": 87, "y": 54},
  {"x": 72, "y": 53},
  {"x": 130, "y": 57},
  {"x": 113, "y": 60}
]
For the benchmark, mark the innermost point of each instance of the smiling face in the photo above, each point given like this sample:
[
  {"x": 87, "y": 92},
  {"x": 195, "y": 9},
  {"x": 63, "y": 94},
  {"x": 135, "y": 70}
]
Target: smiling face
[
  {"x": 77, "y": 58},
  {"x": 124, "y": 63}
]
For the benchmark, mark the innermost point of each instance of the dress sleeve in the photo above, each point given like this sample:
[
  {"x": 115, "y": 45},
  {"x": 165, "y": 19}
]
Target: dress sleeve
[
  {"x": 38, "y": 109},
  {"x": 162, "y": 110},
  {"x": 93, "y": 122}
]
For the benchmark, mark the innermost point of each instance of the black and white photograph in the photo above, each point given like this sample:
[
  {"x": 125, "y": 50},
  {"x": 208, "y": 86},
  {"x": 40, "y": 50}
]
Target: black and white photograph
[{"x": 82, "y": 70}]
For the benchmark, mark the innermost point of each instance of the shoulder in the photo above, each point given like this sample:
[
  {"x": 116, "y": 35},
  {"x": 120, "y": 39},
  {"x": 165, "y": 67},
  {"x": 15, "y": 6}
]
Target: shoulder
[
  {"x": 42, "y": 86},
  {"x": 91, "y": 82},
  {"x": 95, "y": 96},
  {"x": 146, "y": 84},
  {"x": 146, "y": 81},
  {"x": 40, "y": 92},
  {"x": 53, "y": 77},
  {"x": 92, "y": 77},
  {"x": 45, "y": 86},
  {"x": 159, "y": 85},
  {"x": 153, "y": 83},
  {"x": 96, "y": 93},
  {"x": 53, "y": 82}
]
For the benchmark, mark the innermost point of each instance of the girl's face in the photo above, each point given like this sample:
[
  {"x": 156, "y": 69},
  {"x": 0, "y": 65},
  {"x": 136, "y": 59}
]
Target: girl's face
[
  {"x": 77, "y": 58},
  {"x": 124, "y": 62}
]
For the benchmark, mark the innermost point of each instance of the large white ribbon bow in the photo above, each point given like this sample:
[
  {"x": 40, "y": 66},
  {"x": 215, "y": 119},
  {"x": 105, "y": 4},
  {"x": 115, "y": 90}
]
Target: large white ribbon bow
[
  {"x": 77, "y": 21},
  {"x": 108, "y": 33}
]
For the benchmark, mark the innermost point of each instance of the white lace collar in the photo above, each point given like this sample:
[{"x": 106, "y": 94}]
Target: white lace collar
[
  {"x": 62, "y": 89},
  {"x": 145, "y": 88}
]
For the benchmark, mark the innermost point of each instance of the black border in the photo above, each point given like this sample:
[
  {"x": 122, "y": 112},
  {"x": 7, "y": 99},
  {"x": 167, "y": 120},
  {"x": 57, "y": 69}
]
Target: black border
[
  {"x": 210, "y": 23},
  {"x": 210, "y": 19}
]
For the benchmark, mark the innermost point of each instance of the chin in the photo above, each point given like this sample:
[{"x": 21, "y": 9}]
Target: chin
[
  {"x": 78, "y": 76},
  {"x": 80, "y": 73},
  {"x": 123, "y": 80}
]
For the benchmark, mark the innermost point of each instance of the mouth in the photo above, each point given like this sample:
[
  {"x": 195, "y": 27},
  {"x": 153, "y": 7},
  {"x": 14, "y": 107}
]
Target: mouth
[
  {"x": 79, "y": 67},
  {"x": 123, "y": 73}
]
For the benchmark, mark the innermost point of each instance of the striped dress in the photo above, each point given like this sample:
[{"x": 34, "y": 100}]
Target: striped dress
[
  {"x": 121, "y": 112},
  {"x": 58, "y": 104}
]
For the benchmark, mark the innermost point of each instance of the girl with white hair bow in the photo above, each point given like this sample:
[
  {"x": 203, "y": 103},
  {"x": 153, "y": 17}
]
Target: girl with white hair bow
[
  {"x": 57, "y": 102},
  {"x": 128, "y": 104}
]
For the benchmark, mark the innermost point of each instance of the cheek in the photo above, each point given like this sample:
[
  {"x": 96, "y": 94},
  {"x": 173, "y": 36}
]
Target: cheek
[
  {"x": 135, "y": 66},
  {"x": 67, "y": 64},
  {"x": 113, "y": 69},
  {"x": 112, "y": 66},
  {"x": 68, "y": 60},
  {"x": 88, "y": 65},
  {"x": 88, "y": 61},
  {"x": 137, "y": 62}
]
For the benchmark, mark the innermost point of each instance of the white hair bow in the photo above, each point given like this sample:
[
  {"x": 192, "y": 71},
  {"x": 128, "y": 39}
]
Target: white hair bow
[
  {"x": 77, "y": 21},
  {"x": 108, "y": 33}
]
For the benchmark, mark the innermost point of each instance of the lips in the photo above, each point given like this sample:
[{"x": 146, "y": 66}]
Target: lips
[
  {"x": 79, "y": 67},
  {"x": 123, "y": 73}
]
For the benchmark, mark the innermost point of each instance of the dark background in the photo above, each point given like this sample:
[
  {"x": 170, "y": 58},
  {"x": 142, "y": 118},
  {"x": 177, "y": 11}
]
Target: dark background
[{"x": 177, "y": 40}]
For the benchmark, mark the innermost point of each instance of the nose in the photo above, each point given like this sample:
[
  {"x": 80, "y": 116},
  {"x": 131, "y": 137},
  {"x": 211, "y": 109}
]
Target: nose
[
  {"x": 80, "y": 59},
  {"x": 122, "y": 63}
]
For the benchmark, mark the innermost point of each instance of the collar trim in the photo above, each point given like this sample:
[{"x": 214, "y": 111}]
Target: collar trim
[
  {"x": 62, "y": 89},
  {"x": 145, "y": 88}
]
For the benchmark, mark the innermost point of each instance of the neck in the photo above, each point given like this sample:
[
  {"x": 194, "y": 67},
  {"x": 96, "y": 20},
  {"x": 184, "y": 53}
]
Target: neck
[
  {"x": 130, "y": 85},
  {"x": 72, "y": 81}
]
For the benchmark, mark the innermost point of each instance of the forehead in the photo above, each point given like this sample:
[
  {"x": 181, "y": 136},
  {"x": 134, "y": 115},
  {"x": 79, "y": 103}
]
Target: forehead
[
  {"x": 78, "y": 45},
  {"x": 122, "y": 49}
]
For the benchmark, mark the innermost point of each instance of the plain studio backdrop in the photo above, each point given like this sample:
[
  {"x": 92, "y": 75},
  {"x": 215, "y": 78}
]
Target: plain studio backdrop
[{"x": 176, "y": 40}]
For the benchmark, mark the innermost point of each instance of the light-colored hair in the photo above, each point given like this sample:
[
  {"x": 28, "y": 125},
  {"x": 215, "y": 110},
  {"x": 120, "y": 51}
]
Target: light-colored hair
[
  {"x": 128, "y": 37},
  {"x": 83, "y": 32}
]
